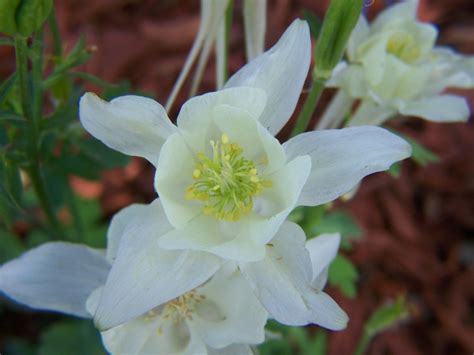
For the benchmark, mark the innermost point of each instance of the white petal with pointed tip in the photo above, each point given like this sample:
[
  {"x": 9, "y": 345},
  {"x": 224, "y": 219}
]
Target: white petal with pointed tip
[
  {"x": 280, "y": 72},
  {"x": 133, "y": 125},
  {"x": 279, "y": 279},
  {"x": 441, "y": 108},
  {"x": 144, "y": 276},
  {"x": 342, "y": 157},
  {"x": 55, "y": 276},
  {"x": 282, "y": 282}
]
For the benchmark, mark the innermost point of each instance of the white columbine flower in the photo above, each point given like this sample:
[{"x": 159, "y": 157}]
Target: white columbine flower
[
  {"x": 143, "y": 277},
  {"x": 226, "y": 184},
  {"x": 394, "y": 68},
  {"x": 221, "y": 316}
]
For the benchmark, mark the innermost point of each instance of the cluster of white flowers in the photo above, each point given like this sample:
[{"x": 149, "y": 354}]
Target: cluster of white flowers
[
  {"x": 394, "y": 68},
  {"x": 201, "y": 268}
]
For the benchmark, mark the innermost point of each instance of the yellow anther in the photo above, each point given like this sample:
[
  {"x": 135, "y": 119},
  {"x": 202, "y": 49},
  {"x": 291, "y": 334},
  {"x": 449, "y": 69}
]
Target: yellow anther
[{"x": 225, "y": 182}]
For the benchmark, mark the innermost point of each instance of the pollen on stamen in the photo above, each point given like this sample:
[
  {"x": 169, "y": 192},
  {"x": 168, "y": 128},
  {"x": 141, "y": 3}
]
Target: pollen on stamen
[{"x": 226, "y": 182}]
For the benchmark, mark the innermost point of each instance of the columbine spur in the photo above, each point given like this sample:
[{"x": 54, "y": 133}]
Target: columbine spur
[
  {"x": 394, "y": 67},
  {"x": 226, "y": 184},
  {"x": 215, "y": 314}
]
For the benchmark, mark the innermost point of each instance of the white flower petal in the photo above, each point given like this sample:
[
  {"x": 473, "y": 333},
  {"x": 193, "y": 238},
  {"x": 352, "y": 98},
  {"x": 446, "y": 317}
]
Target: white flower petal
[
  {"x": 133, "y": 125},
  {"x": 118, "y": 226},
  {"x": 55, "y": 276},
  {"x": 341, "y": 158},
  {"x": 235, "y": 349},
  {"x": 195, "y": 120},
  {"x": 280, "y": 278},
  {"x": 259, "y": 145},
  {"x": 255, "y": 22},
  {"x": 322, "y": 250},
  {"x": 405, "y": 10},
  {"x": 441, "y": 108},
  {"x": 325, "y": 311},
  {"x": 359, "y": 34},
  {"x": 230, "y": 313},
  {"x": 370, "y": 113},
  {"x": 281, "y": 72},
  {"x": 144, "y": 276},
  {"x": 172, "y": 180},
  {"x": 241, "y": 240}
]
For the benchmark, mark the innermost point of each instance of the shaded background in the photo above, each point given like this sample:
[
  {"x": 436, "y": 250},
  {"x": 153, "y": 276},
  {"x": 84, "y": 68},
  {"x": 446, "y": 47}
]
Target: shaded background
[{"x": 418, "y": 228}]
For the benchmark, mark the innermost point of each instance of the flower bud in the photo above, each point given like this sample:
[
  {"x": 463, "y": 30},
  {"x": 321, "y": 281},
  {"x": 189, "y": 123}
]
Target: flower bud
[
  {"x": 23, "y": 16},
  {"x": 339, "y": 21}
]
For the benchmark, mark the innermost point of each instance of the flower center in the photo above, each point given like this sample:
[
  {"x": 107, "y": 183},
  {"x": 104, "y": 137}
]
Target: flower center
[
  {"x": 403, "y": 46},
  {"x": 226, "y": 182},
  {"x": 182, "y": 307}
]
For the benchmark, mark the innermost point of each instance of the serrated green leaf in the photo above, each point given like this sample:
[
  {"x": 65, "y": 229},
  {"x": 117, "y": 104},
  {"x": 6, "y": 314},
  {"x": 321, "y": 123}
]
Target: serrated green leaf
[
  {"x": 343, "y": 275},
  {"x": 76, "y": 337}
]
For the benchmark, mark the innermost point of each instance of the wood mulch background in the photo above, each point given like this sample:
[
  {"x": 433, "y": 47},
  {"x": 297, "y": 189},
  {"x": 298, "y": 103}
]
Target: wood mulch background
[{"x": 418, "y": 228}]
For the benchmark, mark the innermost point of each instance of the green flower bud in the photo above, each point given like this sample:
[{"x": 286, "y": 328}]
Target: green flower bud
[
  {"x": 339, "y": 21},
  {"x": 23, "y": 16}
]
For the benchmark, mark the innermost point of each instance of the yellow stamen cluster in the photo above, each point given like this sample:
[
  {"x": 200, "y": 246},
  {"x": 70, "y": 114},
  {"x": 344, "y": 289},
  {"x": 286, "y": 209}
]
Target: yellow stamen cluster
[
  {"x": 226, "y": 182},
  {"x": 182, "y": 307},
  {"x": 404, "y": 46}
]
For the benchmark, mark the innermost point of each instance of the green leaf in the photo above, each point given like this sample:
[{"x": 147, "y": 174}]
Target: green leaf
[
  {"x": 76, "y": 337},
  {"x": 6, "y": 86},
  {"x": 343, "y": 274},
  {"x": 10, "y": 182},
  {"x": 102, "y": 155},
  {"x": 338, "y": 222},
  {"x": 387, "y": 316},
  {"x": 10, "y": 246}
]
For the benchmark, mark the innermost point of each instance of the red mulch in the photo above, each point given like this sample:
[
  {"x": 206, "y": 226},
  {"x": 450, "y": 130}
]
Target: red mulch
[{"x": 418, "y": 228}]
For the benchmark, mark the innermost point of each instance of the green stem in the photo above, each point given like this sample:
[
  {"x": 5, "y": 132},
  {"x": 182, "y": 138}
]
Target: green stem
[
  {"x": 22, "y": 72},
  {"x": 363, "y": 344},
  {"x": 308, "y": 107},
  {"x": 54, "y": 27},
  {"x": 33, "y": 116}
]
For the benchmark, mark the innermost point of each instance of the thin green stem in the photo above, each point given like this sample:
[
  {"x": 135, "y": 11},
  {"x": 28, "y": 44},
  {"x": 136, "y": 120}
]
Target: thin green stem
[
  {"x": 22, "y": 72},
  {"x": 54, "y": 27},
  {"x": 363, "y": 344},
  {"x": 309, "y": 107},
  {"x": 33, "y": 115}
]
